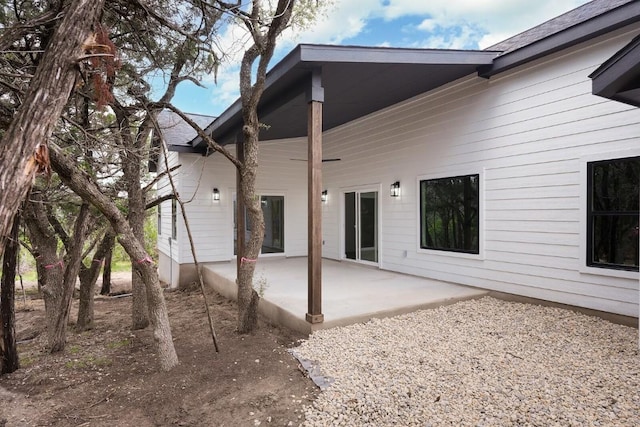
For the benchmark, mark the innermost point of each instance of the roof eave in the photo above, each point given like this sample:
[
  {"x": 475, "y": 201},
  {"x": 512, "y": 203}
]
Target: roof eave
[
  {"x": 315, "y": 55},
  {"x": 235, "y": 109},
  {"x": 619, "y": 77}
]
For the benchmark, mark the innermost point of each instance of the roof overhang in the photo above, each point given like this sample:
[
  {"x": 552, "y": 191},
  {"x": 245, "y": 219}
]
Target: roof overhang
[
  {"x": 619, "y": 77},
  {"x": 354, "y": 82}
]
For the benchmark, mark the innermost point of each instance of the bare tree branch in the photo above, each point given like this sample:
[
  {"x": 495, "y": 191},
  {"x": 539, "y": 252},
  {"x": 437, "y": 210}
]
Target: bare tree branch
[
  {"x": 159, "y": 177},
  {"x": 202, "y": 134},
  {"x": 14, "y": 33},
  {"x": 159, "y": 200}
]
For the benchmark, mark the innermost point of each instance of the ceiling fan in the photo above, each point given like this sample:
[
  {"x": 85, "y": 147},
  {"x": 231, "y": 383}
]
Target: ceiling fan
[{"x": 323, "y": 160}]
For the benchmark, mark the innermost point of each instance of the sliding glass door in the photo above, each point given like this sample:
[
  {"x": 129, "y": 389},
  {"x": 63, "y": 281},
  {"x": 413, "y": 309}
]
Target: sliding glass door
[{"x": 361, "y": 226}]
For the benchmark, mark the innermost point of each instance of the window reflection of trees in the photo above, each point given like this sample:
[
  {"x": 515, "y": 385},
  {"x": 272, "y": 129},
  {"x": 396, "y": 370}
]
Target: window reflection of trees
[
  {"x": 613, "y": 213},
  {"x": 450, "y": 213}
]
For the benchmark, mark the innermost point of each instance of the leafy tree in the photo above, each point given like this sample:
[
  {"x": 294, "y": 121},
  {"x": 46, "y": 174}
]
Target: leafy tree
[
  {"x": 177, "y": 42},
  {"x": 23, "y": 145},
  {"x": 44, "y": 104}
]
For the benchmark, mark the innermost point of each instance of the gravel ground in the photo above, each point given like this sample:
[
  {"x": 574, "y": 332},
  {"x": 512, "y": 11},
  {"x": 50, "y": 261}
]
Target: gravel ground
[{"x": 478, "y": 363}]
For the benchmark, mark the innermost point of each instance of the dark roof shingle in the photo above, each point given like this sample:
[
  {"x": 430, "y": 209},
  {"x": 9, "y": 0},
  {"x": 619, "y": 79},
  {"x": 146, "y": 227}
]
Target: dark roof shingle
[
  {"x": 176, "y": 131},
  {"x": 560, "y": 23}
]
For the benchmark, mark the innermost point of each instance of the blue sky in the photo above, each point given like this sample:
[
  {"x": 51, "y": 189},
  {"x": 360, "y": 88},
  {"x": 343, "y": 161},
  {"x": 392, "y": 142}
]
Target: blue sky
[{"x": 441, "y": 24}]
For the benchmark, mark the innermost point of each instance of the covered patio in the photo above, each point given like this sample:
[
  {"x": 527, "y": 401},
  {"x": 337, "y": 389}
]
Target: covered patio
[
  {"x": 316, "y": 88},
  {"x": 351, "y": 293}
]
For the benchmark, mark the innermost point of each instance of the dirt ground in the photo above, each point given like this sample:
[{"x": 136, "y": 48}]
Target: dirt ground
[{"x": 109, "y": 376}]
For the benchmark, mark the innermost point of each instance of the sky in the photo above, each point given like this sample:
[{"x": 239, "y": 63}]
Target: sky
[{"x": 436, "y": 24}]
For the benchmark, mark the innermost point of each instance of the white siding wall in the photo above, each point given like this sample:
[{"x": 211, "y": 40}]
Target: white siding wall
[
  {"x": 279, "y": 175},
  {"x": 212, "y": 222},
  {"x": 529, "y": 133}
]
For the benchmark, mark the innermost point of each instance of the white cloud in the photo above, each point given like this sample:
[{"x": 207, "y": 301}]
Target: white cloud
[
  {"x": 492, "y": 38},
  {"x": 342, "y": 22},
  {"x": 228, "y": 86},
  {"x": 344, "y": 19},
  {"x": 498, "y": 19},
  {"x": 428, "y": 25},
  {"x": 483, "y": 22}
]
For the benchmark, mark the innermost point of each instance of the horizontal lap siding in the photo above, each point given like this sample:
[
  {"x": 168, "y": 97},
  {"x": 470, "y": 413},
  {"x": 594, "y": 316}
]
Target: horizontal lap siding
[
  {"x": 527, "y": 133},
  {"x": 209, "y": 221},
  {"x": 281, "y": 172},
  {"x": 212, "y": 222}
]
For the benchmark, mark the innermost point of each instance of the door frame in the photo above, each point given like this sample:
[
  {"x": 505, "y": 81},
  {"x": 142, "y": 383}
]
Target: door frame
[{"x": 365, "y": 188}]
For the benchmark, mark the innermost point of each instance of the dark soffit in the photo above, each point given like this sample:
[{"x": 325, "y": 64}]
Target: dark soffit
[{"x": 356, "y": 81}]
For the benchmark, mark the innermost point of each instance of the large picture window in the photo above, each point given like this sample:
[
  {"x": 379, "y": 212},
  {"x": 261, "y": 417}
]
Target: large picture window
[
  {"x": 449, "y": 214},
  {"x": 612, "y": 213}
]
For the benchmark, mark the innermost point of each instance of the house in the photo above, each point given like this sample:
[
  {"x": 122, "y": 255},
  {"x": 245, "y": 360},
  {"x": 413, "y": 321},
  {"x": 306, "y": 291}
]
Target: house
[{"x": 514, "y": 169}]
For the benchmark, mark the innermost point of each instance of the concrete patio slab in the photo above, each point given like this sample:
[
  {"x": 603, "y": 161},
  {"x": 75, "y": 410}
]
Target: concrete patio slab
[{"x": 351, "y": 292}]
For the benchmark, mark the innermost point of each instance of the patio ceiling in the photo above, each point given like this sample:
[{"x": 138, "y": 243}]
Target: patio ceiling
[{"x": 356, "y": 81}]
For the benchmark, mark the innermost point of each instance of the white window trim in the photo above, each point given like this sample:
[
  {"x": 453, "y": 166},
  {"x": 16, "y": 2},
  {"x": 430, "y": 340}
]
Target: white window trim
[
  {"x": 583, "y": 267},
  {"x": 480, "y": 256}
]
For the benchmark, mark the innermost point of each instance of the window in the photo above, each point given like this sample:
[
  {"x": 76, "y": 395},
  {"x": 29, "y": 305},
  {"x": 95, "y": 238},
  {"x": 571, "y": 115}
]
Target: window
[
  {"x": 174, "y": 219},
  {"x": 612, "y": 213},
  {"x": 159, "y": 219},
  {"x": 449, "y": 214},
  {"x": 273, "y": 214}
]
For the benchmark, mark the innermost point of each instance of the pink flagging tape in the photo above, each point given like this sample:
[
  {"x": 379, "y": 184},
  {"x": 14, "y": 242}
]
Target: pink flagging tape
[
  {"x": 243, "y": 259},
  {"x": 59, "y": 263},
  {"x": 145, "y": 259}
]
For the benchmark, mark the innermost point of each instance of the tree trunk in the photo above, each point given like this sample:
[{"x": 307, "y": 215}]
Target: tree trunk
[
  {"x": 50, "y": 268},
  {"x": 88, "y": 279},
  {"x": 248, "y": 298},
  {"x": 80, "y": 183},
  {"x": 250, "y": 94},
  {"x": 106, "y": 272},
  {"x": 42, "y": 106},
  {"x": 59, "y": 333},
  {"x": 133, "y": 139},
  {"x": 136, "y": 205},
  {"x": 8, "y": 350}
]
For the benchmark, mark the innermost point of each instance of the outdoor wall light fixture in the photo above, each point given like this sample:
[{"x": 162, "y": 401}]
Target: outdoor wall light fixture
[
  {"x": 324, "y": 196},
  {"x": 395, "y": 189},
  {"x": 216, "y": 195}
]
